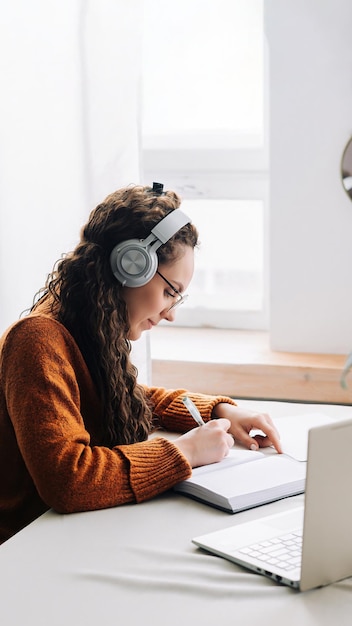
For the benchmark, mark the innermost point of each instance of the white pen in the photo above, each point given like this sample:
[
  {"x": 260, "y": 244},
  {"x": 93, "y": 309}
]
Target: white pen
[{"x": 191, "y": 407}]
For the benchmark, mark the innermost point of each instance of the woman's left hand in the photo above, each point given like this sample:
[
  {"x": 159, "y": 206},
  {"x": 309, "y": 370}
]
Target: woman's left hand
[{"x": 243, "y": 421}]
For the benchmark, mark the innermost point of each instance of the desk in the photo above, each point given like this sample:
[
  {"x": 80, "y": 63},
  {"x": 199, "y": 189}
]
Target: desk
[{"x": 136, "y": 565}]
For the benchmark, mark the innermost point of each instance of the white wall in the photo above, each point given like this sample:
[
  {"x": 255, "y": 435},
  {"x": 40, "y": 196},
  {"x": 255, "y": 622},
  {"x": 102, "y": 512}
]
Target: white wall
[
  {"x": 69, "y": 112},
  {"x": 310, "y": 48},
  {"x": 69, "y": 133}
]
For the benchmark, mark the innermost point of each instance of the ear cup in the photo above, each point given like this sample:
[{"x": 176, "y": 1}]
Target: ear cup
[{"x": 133, "y": 264}]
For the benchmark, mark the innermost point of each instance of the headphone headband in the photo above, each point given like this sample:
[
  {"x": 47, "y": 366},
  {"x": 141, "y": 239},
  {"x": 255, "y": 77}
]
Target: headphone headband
[{"x": 170, "y": 225}]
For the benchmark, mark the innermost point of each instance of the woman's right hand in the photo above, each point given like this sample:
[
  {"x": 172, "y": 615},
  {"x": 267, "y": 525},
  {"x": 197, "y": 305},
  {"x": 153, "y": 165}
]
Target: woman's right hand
[{"x": 206, "y": 444}]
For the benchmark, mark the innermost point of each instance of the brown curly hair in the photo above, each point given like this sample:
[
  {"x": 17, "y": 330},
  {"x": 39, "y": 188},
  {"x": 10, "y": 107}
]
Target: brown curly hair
[{"x": 87, "y": 300}]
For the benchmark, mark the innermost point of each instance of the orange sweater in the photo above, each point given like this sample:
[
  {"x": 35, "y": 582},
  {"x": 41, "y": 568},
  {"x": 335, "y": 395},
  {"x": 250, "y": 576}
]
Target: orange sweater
[{"x": 50, "y": 451}]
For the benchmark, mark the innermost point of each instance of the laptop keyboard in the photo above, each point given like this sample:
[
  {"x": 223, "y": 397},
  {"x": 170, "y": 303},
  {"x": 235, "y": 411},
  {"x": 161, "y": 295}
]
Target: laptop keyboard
[{"x": 284, "y": 551}]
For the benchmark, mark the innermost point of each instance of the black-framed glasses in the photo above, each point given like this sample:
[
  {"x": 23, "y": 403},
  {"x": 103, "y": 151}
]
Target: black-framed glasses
[{"x": 180, "y": 298}]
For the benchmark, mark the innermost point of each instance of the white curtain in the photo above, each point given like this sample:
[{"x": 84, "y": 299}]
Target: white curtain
[{"x": 69, "y": 128}]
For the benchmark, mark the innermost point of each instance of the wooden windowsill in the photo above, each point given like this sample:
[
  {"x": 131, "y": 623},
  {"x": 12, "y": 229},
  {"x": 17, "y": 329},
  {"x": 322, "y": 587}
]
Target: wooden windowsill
[{"x": 241, "y": 364}]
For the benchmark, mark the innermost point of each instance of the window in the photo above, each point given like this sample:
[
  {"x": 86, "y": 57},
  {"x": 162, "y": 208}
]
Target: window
[{"x": 203, "y": 131}]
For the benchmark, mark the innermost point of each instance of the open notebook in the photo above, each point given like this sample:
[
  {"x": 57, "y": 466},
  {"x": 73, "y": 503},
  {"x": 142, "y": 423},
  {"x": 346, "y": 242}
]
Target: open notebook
[
  {"x": 308, "y": 546},
  {"x": 245, "y": 479}
]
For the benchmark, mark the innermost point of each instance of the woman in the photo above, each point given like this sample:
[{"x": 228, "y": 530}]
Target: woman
[{"x": 74, "y": 423}]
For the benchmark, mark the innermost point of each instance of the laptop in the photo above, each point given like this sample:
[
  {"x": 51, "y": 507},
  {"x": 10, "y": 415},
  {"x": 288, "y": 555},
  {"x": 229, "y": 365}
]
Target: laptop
[{"x": 310, "y": 545}]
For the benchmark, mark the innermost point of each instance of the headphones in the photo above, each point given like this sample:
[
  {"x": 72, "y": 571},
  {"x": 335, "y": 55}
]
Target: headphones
[{"x": 134, "y": 262}]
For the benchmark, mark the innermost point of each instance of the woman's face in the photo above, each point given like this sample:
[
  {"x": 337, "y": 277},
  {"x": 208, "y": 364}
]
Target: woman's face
[{"x": 151, "y": 303}]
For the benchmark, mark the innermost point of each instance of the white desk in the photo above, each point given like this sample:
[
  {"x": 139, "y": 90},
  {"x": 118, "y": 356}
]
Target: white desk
[{"x": 136, "y": 565}]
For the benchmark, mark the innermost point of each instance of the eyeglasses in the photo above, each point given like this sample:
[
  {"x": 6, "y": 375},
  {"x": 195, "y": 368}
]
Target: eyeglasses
[{"x": 180, "y": 298}]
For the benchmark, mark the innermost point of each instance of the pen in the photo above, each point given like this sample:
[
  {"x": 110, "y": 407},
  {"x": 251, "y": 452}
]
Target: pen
[{"x": 193, "y": 410}]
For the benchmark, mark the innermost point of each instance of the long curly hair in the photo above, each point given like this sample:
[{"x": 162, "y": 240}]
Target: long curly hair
[{"x": 87, "y": 300}]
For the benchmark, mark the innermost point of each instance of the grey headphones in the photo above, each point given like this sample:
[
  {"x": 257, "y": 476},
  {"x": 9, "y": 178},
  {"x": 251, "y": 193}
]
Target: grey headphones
[{"x": 134, "y": 262}]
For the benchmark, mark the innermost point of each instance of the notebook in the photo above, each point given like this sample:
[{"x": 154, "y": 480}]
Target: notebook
[
  {"x": 246, "y": 479},
  {"x": 318, "y": 532}
]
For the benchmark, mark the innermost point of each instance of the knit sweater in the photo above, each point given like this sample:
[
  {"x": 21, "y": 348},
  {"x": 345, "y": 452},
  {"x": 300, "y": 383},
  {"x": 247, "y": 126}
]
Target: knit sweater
[{"x": 51, "y": 453}]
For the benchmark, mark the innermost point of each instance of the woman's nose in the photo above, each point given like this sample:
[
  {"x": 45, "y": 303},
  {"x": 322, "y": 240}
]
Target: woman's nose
[{"x": 169, "y": 315}]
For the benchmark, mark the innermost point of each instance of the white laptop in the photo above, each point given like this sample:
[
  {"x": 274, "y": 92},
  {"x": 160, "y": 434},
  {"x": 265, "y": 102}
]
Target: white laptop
[{"x": 311, "y": 545}]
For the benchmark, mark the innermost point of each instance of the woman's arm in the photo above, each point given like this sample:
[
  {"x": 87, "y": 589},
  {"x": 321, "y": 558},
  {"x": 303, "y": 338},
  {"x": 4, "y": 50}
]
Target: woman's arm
[
  {"x": 55, "y": 414},
  {"x": 173, "y": 415},
  {"x": 170, "y": 412}
]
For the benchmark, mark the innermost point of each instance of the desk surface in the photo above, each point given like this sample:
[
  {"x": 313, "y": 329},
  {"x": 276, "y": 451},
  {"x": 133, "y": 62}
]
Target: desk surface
[{"x": 136, "y": 563}]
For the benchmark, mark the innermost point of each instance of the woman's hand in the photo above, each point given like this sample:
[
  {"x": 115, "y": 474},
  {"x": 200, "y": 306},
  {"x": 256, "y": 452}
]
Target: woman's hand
[
  {"x": 243, "y": 421},
  {"x": 206, "y": 444}
]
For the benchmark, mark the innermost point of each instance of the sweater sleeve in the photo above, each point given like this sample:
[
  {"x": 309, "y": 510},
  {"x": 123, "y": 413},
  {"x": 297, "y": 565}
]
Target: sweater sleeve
[
  {"x": 46, "y": 385},
  {"x": 171, "y": 413}
]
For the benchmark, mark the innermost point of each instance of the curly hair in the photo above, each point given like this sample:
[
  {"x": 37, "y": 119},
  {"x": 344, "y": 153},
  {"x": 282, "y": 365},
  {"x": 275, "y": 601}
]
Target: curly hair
[{"x": 87, "y": 300}]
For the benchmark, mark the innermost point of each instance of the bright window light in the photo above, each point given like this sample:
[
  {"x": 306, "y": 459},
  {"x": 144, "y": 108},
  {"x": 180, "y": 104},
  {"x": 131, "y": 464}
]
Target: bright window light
[
  {"x": 229, "y": 261},
  {"x": 203, "y": 131},
  {"x": 202, "y": 67}
]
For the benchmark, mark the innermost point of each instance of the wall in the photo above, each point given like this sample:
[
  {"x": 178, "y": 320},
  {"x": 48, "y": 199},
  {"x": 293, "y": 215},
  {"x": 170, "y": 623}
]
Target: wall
[
  {"x": 69, "y": 129},
  {"x": 310, "y": 57},
  {"x": 69, "y": 112}
]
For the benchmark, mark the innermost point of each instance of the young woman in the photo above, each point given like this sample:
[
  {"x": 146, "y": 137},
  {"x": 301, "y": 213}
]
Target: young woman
[{"x": 74, "y": 422}]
